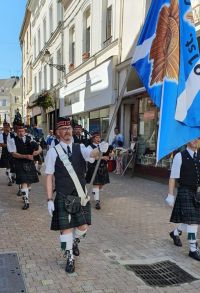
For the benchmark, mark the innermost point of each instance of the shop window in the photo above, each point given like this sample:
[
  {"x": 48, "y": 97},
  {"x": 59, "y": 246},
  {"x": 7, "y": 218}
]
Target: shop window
[{"x": 147, "y": 135}]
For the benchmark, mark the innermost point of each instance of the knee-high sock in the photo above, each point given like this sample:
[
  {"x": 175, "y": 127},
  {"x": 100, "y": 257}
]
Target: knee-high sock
[
  {"x": 25, "y": 194},
  {"x": 66, "y": 241},
  {"x": 181, "y": 228},
  {"x": 96, "y": 193},
  {"x": 192, "y": 236},
  {"x": 79, "y": 233},
  {"x": 8, "y": 174}
]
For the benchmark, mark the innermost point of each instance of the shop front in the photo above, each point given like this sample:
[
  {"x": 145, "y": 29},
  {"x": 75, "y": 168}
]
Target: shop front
[{"x": 140, "y": 120}]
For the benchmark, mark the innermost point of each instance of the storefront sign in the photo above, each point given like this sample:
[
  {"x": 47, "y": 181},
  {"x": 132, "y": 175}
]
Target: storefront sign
[{"x": 149, "y": 115}]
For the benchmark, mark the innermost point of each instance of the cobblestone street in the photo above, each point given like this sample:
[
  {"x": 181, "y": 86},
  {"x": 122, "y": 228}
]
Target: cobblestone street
[{"x": 132, "y": 226}]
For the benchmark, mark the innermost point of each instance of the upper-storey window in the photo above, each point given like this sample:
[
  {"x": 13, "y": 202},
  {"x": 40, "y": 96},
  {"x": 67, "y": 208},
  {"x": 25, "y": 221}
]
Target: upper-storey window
[
  {"x": 50, "y": 20},
  {"x": 72, "y": 45},
  {"x": 86, "y": 33},
  {"x": 107, "y": 29},
  {"x": 34, "y": 47},
  {"x": 39, "y": 41},
  {"x": 59, "y": 12},
  {"x": 44, "y": 30},
  {"x": 109, "y": 22}
]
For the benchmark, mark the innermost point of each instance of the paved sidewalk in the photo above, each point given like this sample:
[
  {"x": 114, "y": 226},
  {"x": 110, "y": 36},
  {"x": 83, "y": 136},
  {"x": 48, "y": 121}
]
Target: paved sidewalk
[{"x": 133, "y": 225}]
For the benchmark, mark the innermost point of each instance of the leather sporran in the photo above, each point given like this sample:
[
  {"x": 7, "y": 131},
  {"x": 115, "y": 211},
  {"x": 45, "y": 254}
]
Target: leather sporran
[
  {"x": 27, "y": 167},
  {"x": 72, "y": 204}
]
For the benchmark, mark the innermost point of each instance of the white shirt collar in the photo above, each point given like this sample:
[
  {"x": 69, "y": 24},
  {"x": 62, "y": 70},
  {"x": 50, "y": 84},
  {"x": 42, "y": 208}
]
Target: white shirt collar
[
  {"x": 64, "y": 145},
  {"x": 191, "y": 152}
]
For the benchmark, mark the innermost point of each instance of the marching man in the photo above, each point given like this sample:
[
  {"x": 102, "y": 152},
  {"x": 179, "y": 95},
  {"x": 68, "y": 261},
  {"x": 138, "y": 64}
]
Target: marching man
[{"x": 66, "y": 162}]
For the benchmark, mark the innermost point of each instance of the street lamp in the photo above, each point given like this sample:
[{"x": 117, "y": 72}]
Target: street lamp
[{"x": 46, "y": 58}]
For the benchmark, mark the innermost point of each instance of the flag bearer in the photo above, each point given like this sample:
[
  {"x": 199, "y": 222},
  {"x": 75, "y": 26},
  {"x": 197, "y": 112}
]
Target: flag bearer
[{"x": 186, "y": 209}]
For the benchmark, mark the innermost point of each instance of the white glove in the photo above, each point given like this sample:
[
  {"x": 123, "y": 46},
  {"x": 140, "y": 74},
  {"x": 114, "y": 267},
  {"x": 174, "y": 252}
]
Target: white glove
[
  {"x": 103, "y": 147},
  {"x": 84, "y": 200},
  {"x": 51, "y": 207},
  {"x": 170, "y": 199}
]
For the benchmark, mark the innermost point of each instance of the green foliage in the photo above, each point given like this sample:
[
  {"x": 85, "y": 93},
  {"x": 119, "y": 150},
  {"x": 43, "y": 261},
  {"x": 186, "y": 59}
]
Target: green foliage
[{"x": 44, "y": 101}]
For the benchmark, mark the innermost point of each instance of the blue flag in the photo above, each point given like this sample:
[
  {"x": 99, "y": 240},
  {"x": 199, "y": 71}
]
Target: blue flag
[{"x": 168, "y": 62}]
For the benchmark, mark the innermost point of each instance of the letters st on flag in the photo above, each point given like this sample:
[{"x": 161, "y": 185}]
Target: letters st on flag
[{"x": 167, "y": 61}]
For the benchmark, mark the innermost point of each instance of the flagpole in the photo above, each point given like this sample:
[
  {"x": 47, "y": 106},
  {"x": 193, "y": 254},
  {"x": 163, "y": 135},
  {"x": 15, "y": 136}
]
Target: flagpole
[{"x": 118, "y": 103}]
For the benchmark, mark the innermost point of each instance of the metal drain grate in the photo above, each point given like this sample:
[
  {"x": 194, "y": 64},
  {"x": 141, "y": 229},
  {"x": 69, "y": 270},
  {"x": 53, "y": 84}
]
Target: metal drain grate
[
  {"x": 11, "y": 280},
  {"x": 161, "y": 274}
]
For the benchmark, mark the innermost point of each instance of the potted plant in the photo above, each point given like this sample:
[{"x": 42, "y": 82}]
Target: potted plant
[
  {"x": 71, "y": 66},
  {"x": 44, "y": 101},
  {"x": 86, "y": 55}
]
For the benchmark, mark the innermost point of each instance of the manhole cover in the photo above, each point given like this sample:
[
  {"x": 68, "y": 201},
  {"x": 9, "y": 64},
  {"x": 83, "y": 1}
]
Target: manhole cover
[
  {"x": 161, "y": 274},
  {"x": 11, "y": 280}
]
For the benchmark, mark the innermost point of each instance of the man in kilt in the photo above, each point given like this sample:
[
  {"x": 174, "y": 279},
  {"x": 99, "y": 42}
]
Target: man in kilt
[
  {"x": 71, "y": 226},
  {"x": 102, "y": 176},
  {"x": 23, "y": 149},
  {"x": 6, "y": 158},
  {"x": 186, "y": 209}
]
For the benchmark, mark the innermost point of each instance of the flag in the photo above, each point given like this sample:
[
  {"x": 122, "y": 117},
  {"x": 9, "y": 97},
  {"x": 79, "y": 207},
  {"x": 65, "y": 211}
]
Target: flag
[{"x": 168, "y": 63}]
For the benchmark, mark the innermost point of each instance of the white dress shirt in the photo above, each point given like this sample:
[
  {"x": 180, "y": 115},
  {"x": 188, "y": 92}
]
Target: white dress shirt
[
  {"x": 177, "y": 162},
  {"x": 52, "y": 155}
]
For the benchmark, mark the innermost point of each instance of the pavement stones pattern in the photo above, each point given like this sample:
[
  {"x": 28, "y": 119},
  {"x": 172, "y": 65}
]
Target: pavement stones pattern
[{"x": 132, "y": 227}]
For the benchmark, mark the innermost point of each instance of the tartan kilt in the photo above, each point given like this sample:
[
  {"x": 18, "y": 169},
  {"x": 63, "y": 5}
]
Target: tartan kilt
[
  {"x": 102, "y": 176},
  {"x": 184, "y": 210},
  {"x": 24, "y": 176},
  {"x": 60, "y": 219},
  {"x": 5, "y": 159}
]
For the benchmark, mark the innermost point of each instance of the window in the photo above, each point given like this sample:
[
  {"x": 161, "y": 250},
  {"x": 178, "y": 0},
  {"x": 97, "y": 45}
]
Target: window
[
  {"x": 27, "y": 42},
  {"x": 51, "y": 73},
  {"x": 39, "y": 41},
  {"x": 107, "y": 29},
  {"x": 40, "y": 82},
  {"x": 45, "y": 77},
  {"x": 35, "y": 84},
  {"x": 50, "y": 20},
  {"x": 16, "y": 100},
  {"x": 59, "y": 63},
  {"x": 86, "y": 34},
  {"x": 4, "y": 103},
  {"x": 44, "y": 30},
  {"x": 109, "y": 23},
  {"x": 34, "y": 49},
  {"x": 59, "y": 12},
  {"x": 72, "y": 45},
  {"x": 30, "y": 76}
]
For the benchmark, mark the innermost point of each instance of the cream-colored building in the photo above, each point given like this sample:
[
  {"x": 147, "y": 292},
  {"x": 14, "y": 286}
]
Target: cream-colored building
[
  {"x": 6, "y": 85},
  {"x": 46, "y": 25},
  {"x": 27, "y": 64},
  {"x": 91, "y": 52}
]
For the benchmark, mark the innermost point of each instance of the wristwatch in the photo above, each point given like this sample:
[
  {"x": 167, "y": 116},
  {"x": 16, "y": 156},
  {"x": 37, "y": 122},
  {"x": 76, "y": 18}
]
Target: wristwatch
[{"x": 48, "y": 199}]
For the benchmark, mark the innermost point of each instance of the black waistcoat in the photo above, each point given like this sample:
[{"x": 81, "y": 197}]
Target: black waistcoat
[
  {"x": 63, "y": 181},
  {"x": 190, "y": 170},
  {"x": 5, "y": 149},
  {"x": 24, "y": 148}
]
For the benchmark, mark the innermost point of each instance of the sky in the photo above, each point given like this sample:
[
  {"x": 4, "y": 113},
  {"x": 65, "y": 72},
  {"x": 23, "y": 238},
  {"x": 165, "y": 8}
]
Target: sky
[{"x": 11, "y": 19}]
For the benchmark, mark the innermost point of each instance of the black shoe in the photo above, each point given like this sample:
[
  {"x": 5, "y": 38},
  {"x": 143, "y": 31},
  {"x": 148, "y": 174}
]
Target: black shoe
[
  {"x": 195, "y": 254},
  {"x": 19, "y": 193},
  {"x": 70, "y": 266},
  {"x": 76, "y": 251},
  {"x": 97, "y": 206},
  {"x": 177, "y": 240},
  {"x": 10, "y": 183},
  {"x": 26, "y": 206}
]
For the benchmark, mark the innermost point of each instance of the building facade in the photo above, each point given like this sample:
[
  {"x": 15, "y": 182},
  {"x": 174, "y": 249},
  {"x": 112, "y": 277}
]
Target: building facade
[
  {"x": 6, "y": 85},
  {"x": 91, "y": 47}
]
